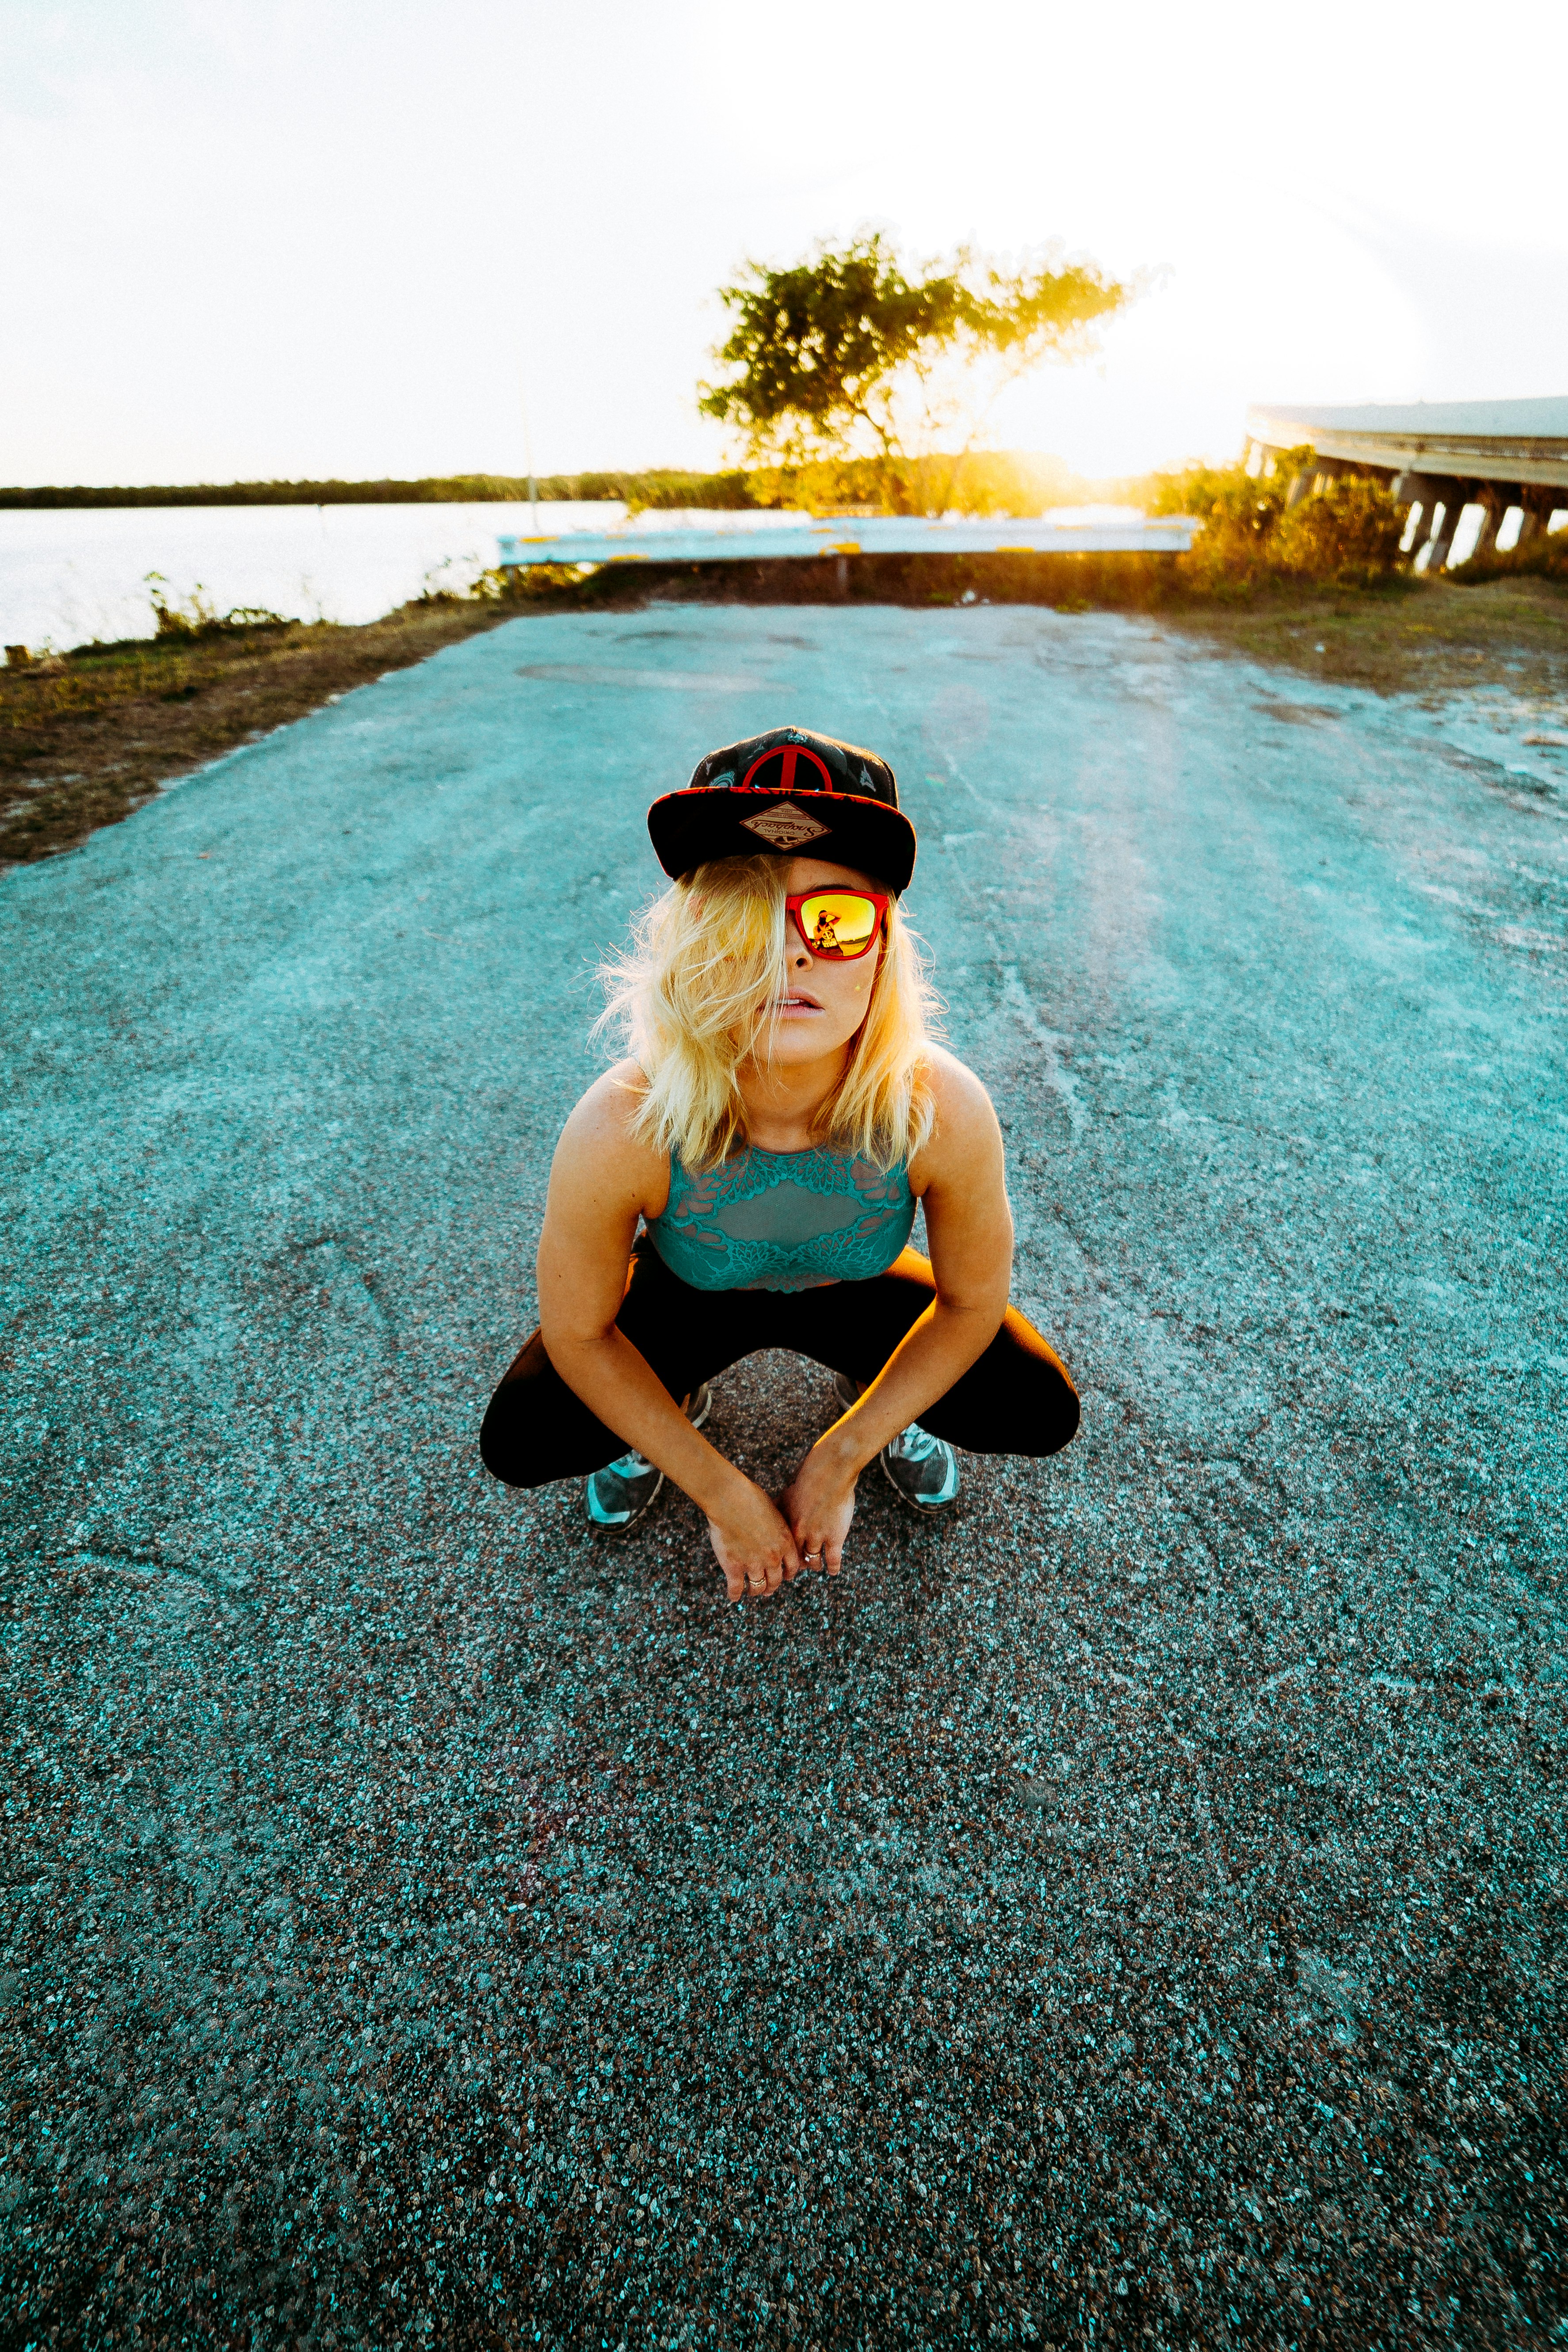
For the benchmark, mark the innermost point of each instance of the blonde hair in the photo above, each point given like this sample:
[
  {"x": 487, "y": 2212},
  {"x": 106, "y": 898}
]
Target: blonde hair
[{"x": 694, "y": 996}]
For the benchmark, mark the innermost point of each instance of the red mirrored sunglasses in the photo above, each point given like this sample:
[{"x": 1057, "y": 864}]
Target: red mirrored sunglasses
[{"x": 838, "y": 925}]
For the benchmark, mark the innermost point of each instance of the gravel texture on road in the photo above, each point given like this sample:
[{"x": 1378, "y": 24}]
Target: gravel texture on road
[{"x": 1129, "y": 1914}]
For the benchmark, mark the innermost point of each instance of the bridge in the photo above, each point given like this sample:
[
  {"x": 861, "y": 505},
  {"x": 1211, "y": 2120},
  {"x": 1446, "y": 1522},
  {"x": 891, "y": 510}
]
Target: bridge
[{"x": 1437, "y": 457}]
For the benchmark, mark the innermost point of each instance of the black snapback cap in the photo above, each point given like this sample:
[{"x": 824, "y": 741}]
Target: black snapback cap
[{"x": 790, "y": 792}]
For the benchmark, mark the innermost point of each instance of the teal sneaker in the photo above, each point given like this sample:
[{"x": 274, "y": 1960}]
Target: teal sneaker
[
  {"x": 627, "y": 1489},
  {"x": 922, "y": 1470}
]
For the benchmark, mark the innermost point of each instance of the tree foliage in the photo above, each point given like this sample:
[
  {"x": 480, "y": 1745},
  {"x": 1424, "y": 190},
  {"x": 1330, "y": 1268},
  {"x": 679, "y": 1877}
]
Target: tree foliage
[
  {"x": 1346, "y": 535},
  {"x": 851, "y": 355}
]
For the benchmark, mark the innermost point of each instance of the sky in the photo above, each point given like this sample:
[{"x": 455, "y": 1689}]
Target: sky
[{"x": 285, "y": 239}]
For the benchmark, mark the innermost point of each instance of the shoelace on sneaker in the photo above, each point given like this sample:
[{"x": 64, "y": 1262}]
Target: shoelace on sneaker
[{"x": 914, "y": 1444}]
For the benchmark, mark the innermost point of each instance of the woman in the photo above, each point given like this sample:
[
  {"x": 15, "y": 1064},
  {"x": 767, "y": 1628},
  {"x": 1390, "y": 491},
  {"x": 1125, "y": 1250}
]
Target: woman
[{"x": 781, "y": 1112}]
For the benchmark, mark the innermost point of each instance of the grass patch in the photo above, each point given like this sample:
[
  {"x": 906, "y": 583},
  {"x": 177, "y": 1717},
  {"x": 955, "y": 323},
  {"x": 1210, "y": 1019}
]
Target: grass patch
[{"x": 1419, "y": 635}]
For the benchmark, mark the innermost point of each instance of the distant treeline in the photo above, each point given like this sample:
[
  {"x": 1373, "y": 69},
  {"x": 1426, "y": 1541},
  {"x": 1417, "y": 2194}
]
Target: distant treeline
[
  {"x": 452, "y": 489},
  {"x": 661, "y": 487},
  {"x": 986, "y": 482}
]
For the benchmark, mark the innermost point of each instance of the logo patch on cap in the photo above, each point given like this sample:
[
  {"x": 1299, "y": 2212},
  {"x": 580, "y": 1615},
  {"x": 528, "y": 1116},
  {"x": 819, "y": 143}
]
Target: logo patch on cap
[{"x": 784, "y": 826}]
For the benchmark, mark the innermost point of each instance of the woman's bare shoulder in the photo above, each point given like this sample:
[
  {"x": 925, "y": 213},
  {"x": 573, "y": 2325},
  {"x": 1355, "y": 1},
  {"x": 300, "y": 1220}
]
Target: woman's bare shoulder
[
  {"x": 961, "y": 1100},
  {"x": 611, "y": 1103},
  {"x": 965, "y": 1124},
  {"x": 599, "y": 1137}
]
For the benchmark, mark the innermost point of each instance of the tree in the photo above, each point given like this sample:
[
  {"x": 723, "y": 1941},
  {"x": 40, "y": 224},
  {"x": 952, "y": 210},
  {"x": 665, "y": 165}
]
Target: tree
[{"x": 849, "y": 354}]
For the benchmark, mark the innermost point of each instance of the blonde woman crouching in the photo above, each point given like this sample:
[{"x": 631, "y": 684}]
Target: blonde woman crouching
[{"x": 780, "y": 1113}]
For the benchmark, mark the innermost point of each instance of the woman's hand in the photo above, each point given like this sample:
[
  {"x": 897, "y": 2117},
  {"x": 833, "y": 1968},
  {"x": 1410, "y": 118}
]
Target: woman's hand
[
  {"x": 819, "y": 1504},
  {"x": 752, "y": 1544}
]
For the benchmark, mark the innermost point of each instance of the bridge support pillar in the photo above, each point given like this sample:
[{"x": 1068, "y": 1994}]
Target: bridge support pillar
[
  {"x": 1535, "y": 514},
  {"x": 1441, "y": 500},
  {"x": 1416, "y": 492},
  {"x": 1495, "y": 501},
  {"x": 1427, "y": 528},
  {"x": 1454, "y": 497}
]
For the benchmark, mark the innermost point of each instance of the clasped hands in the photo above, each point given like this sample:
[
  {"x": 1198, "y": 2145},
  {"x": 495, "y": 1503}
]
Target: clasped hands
[{"x": 761, "y": 1544}]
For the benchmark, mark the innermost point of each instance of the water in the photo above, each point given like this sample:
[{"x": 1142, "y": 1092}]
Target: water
[{"x": 73, "y": 575}]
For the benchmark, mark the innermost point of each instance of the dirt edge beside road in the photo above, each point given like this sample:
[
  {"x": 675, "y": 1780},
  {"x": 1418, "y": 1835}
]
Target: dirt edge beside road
[{"x": 87, "y": 738}]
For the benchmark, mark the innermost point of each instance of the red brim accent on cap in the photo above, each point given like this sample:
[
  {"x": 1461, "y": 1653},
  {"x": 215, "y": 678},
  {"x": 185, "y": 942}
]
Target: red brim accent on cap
[{"x": 687, "y": 828}]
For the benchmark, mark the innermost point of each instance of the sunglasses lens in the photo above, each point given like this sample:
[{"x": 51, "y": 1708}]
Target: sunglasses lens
[{"x": 838, "y": 922}]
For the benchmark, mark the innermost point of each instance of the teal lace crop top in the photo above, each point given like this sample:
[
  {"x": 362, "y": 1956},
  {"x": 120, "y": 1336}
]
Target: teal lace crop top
[{"x": 783, "y": 1220}]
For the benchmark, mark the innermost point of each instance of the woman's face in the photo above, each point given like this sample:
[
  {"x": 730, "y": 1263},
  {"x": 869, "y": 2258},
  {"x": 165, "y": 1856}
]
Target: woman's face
[{"x": 825, "y": 999}]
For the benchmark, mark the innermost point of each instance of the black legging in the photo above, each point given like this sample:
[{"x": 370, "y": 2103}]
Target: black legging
[{"x": 1016, "y": 1399}]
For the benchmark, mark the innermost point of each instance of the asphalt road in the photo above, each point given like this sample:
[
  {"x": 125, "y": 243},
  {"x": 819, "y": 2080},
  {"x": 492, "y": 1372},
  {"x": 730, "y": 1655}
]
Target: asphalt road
[{"x": 1132, "y": 1914}]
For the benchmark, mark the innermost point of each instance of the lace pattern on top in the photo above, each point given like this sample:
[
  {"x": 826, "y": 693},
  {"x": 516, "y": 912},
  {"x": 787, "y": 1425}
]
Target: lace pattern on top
[{"x": 783, "y": 1220}]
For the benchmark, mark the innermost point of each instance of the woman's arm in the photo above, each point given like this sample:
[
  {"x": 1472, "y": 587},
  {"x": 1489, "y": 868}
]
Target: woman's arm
[
  {"x": 962, "y": 1178},
  {"x": 601, "y": 1181}
]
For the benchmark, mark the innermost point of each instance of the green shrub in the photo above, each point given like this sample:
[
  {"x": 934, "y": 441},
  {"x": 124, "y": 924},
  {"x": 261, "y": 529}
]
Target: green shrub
[
  {"x": 1346, "y": 537},
  {"x": 1197, "y": 489},
  {"x": 1233, "y": 552}
]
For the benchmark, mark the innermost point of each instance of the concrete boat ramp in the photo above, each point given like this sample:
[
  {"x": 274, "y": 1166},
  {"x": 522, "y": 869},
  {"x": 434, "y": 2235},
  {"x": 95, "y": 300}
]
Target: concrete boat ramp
[
  {"x": 1130, "y": 1914},
  {"x": 810, "y": 538}
]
